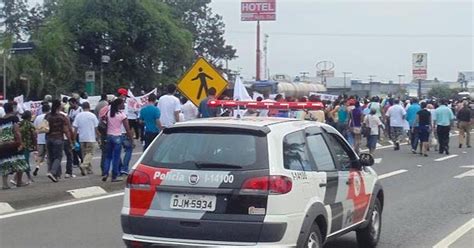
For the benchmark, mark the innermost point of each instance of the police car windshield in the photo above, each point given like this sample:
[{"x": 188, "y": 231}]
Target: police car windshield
[{"x": 201, "y": 149}]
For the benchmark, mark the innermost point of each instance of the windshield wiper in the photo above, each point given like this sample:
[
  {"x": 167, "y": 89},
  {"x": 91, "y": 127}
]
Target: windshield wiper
[{"x": 201, "y": 165}]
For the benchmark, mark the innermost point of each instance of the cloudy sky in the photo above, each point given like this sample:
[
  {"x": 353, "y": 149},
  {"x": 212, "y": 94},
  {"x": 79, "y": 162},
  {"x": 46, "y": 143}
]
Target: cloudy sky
[
  {"x": 374, "y": 37},
  {"x": 362, "y": 37}
]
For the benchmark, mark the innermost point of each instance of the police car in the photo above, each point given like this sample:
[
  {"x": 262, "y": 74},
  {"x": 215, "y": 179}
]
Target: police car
[{"x": 251, "y": 182}]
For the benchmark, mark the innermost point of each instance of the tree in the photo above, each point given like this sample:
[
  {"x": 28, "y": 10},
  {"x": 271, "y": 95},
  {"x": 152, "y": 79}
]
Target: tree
[
  {"x": 207, "y": 29},
  {"x": 14, "y": 14},
  {"x": 443, "y": 92}
]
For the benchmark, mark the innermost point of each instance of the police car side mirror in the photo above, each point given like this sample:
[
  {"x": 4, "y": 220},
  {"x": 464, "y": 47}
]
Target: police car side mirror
[{"x": 366, "y": 159}]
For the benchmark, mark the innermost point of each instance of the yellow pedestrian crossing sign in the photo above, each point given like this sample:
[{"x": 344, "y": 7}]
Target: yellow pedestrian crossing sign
[{"x": 199, "y": 79}]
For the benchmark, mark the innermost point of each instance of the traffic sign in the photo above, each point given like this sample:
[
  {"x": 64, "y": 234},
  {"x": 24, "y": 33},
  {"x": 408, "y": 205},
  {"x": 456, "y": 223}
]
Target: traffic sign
[
  {"x": 420, "y": 65},
  {"x": 198, "y": 79}
]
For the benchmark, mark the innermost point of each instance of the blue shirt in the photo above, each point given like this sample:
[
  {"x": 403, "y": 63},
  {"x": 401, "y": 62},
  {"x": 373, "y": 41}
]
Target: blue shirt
[
  {"x": 443, "y": 116},
  {"x": 149, "y": 114},
  {"x": 205, "y": 111},
  {"x": 411, "y": 113}
]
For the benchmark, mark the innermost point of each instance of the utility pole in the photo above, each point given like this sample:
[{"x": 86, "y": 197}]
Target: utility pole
[
  {"x": 400, "y": 76},
  {"x": 419, "y": 88},
  {"x": 371, "y": 77},
  {"x": 257, "y": 75},
  {"x": 4, "y": 74},
  {"x": 265, "y": 50},
  {"x": 345, "y": 77}
]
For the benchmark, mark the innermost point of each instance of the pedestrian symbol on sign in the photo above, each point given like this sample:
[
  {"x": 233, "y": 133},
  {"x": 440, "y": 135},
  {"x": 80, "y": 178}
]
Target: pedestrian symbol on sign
[{"x": 202, "y": 77}]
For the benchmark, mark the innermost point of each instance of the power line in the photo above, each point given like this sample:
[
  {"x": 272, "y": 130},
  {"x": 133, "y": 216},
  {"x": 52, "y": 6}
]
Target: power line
[{"x": 362, "y": 35}]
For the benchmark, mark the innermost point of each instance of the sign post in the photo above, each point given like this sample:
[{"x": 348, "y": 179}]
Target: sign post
[
  {"x": 90, "y": 82},
  {"x": 420, "y": 68},
  {"x": 258, "y": 10},
  {"x": 201, "y": 77}
]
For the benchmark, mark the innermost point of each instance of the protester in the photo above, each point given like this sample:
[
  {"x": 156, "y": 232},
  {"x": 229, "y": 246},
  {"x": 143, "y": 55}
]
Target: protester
[
  {"x": 59, "y": 127},
  {"x": 204, "y": 110},
  {"x": 150, "y": 115},
  {"x": 355, "y": 124},
  {"x": 397, "y": 118},
  {"x": 189, "y": 110},
  {"x": 423, "y": 126},
  {"x": 83, "y": 98},
  {"x": 315, "y": 115},
  {"x": 28, "y": 138},
  {"x": 85, "y": 128},
  {"x": 102, "y": 103},
  {"x": 115, "y": 120},
  {"x": 132, "y": 116},
  {"x": 443, "y": 120},
  {"x": 74, "y": 110},
  {"x": 12, "y": 158},
  {"x": 69, "y": 147},
  {"x": 41, "y": 139},
  {"x": 169, "y": 106},
  {"x": 464, "y": 124},
  {"x": 373, "y": 122},
  {"x": 412, "y": 112},
  {"x": 2, "y": 110},
  {"x": 127, "y": 143}
]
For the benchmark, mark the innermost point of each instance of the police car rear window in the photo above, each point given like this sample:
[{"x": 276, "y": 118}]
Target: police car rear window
[{"x": 208, "y": 150}]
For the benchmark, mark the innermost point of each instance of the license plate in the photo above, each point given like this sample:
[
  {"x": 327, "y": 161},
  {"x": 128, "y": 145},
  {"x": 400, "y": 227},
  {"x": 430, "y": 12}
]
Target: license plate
[{"x": 193, "y": 202}]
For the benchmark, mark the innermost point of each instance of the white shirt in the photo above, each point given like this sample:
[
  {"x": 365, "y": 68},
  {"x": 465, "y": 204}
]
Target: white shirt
[
  {"x": 168, "y": 104},
  {"x": 373, "y": 121},
  {"x": 190, "y": 111},
  {"x": 2, "y": 112},
  {"x": 396, "y": 114},
  {"x": 74, "y": 112},
  {"x": 85, "y": 124},
  {"x": 42, "y": 136}
]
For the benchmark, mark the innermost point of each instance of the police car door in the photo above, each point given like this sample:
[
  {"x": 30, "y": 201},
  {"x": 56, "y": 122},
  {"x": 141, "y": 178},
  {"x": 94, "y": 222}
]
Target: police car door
[
  {"x": 350, "y": 182},
  {"x": 325, "y": 178}
]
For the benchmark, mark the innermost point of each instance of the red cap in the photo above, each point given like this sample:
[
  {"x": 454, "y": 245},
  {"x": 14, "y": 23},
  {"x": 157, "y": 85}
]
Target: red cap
[{"x": 122, "y": 92}]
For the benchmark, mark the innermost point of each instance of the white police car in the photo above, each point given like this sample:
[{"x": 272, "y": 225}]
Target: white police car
[{"x": 252, "y": 181}]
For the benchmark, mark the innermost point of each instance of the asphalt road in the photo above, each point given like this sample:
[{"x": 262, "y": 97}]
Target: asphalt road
[{"x": 423, "y": 205}]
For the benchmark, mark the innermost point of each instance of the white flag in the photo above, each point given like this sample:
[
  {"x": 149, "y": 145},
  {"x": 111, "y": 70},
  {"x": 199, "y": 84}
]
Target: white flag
[{"x": 240, "y": 92}]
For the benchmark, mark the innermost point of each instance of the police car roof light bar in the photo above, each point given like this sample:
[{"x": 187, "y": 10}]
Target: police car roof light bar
[{"x": 266, "y": 105}]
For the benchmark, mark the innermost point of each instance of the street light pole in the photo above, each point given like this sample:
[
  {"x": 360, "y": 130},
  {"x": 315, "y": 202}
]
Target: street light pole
[
  {"x": 345, "y": 74},
  {"x": 4, "y": 75},
  {"x": 101, "y": 77}
]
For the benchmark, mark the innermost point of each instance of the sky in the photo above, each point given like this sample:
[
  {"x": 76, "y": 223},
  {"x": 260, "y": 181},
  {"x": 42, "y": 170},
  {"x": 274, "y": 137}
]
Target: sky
[
  {"x": 365, "y": 38},
  {"x": 362, "y": 37}
]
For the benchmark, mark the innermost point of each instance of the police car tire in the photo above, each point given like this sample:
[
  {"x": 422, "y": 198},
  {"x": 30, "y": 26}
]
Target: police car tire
[
  {"x": 365, "y": 236},
  {"x": 314, "y": 234}
]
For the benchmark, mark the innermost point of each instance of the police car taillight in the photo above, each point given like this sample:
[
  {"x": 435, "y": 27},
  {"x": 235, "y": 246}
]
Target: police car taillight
[
  {"x": 138, "y": 180},
  {"x": 275, "y": 185}
]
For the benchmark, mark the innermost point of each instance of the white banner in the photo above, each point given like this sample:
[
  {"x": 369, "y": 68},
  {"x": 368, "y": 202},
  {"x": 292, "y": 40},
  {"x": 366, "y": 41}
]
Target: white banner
[
  {"x": 324, "y": 97},
  {"x": 33, "y": 106}
]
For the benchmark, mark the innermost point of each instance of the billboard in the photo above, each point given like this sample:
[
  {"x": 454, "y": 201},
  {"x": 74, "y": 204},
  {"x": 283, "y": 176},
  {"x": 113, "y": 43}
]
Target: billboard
[
  {"x": 258, "y": 10},
  {"x": 420, "y": 65}
]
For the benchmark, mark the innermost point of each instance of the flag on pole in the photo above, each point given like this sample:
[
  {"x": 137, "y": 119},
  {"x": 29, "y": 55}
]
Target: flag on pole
[{"x": 240, "y": 92}]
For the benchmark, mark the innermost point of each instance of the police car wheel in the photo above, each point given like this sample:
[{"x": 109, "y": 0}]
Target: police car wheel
[
  {"x": 370, "y": 235},
  {"x": 314, "y": 239}
]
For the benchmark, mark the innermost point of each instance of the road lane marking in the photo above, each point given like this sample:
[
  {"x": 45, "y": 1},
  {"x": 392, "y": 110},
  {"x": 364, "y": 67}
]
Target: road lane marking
[
  {"x": 87, "y": 192},
  {"x": 5, "y": 208},
  {"x": 42, "y": 209},
  {"x": 445, "y": 158},
  {"x": 469, "y": 173},
  {"x": 393, "y": 173},
  {"x": 377, "y": 160},
  {"x": 451, "y": 238}
]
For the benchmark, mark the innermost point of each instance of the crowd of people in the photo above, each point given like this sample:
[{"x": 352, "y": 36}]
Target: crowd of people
[{"x": 71, "y": 127}]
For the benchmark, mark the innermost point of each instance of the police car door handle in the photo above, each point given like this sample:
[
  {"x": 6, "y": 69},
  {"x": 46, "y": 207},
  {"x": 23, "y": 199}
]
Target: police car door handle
[{"x": 323, "y": 185}]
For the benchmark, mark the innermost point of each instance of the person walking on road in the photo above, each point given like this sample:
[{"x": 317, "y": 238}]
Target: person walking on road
[
  {"x": 59, "y": 132},
  {"x": 74, "y": 110},
  {"x": 115, "y": 120},
  {"x": 169, "y": 106},
  {"x": 423, "y": 124},
  {"x": 28, "y": 137},
  {"x": 443, "y": 120},
  {"x": 373, "y": 122},
  {"x": 11, "y": 148},
  {"x": 41, "y": 139},
  {"x": 412, "y": 113},
  {"x": 204, "y": 110},
  {"x": 397, "y": 114},
  {"x": 85, "y": 127},
  {"x": 150, "y": 115},
  {"x": 464, "y": 125},
  {"x": 355, "y": 124},
  {"x": 189, "y": 110}
]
